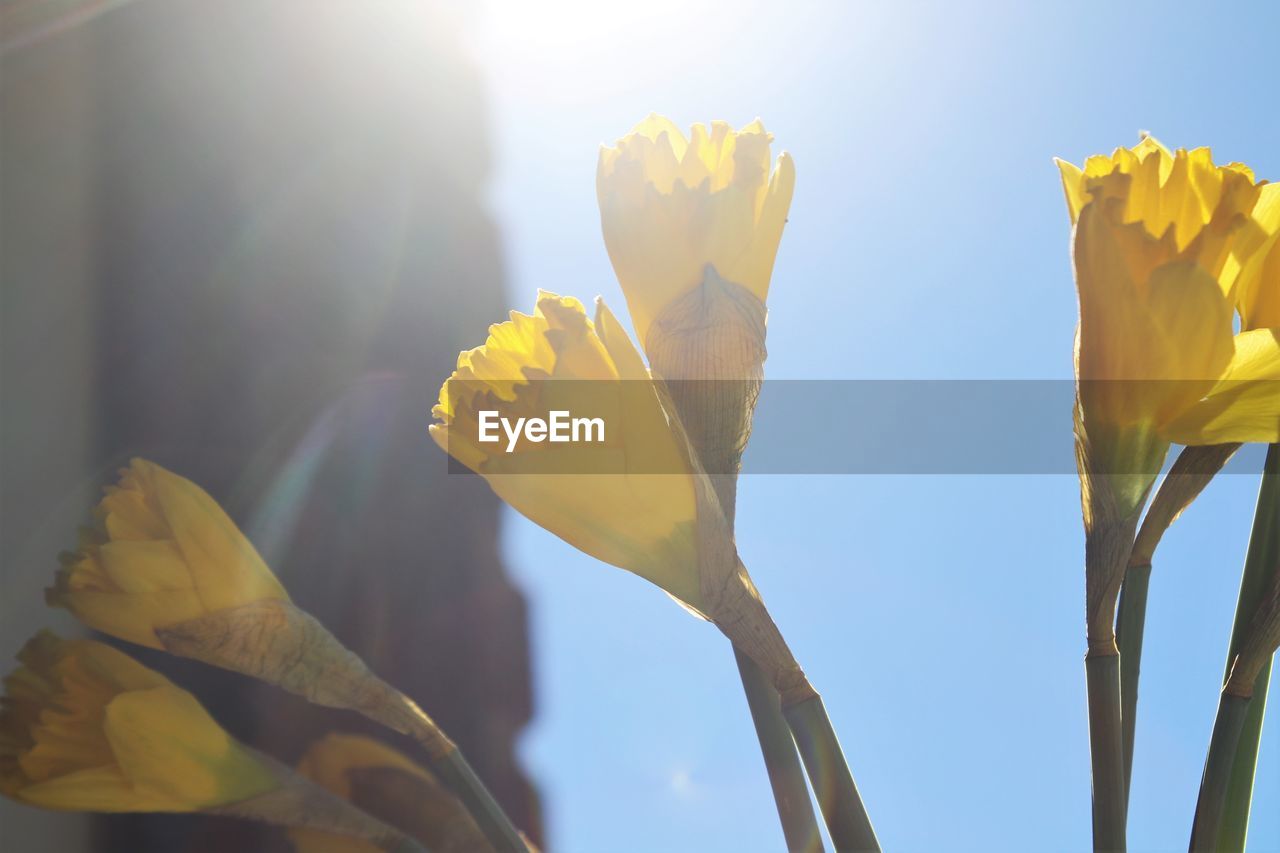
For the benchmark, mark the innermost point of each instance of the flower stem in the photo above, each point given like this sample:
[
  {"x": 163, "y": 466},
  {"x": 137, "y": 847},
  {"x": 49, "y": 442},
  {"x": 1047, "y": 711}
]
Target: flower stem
[
  {"x": 1192, "y": 471},
  {"x": 1102, "y": 675},
  {"x": 1211, "y": 805},
  {"x": 1130, "y": 626},
  {"x": 790, "y": 793},
  {"x": 838, "y": 797},
  {"x": 1261, "y": 564},
  {"x": 457, "y": 774}
]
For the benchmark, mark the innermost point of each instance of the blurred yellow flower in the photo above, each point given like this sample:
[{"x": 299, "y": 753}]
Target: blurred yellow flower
[
  {"x": 83, "y": 727},
  {"x": 1163, "y": 242},
  {"x": 163, "y": 552},
  {"x": 384, "y": 782},
  {"x": 671, "y": 206},
  {"x": 642, "y": 521}
]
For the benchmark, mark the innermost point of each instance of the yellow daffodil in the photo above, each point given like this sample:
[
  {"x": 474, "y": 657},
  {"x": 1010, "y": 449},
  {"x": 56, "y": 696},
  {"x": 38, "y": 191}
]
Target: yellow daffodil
[
  {"x": 384, "y": 782},
  {"x": 674, "y": 208},
  {"x": 163, "y": 552},
  {"x": 628, "y": 500},
  {"x": 84, "y": 727},
  {"x": 1163, "y": 243}
]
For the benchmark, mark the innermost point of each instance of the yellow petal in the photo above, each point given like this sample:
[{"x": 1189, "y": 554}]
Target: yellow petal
[
  {"x": 134, "y": 616},
  {"x": 1073, "y": 186},
  {"x": 654, "y": 126},
  {"x": 100, "y": 789},
  {"x": 145, "y": 566},
  {"x": 167, "y": 745},
  {"x": 1245, "y": 405},
  {"x": 225, "y": 568},
  {"x": 129, "y": 515},
  {"x": 625, "y": 356},
  {"x": 618, "y": 519},
  {"x": 717, "y": 206}
]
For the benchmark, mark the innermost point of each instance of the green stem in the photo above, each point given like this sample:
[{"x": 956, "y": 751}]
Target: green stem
[
  {"x": 1261, "y": 563},
  {"x": 786, "y": 776},
  {"x": 456, "y": 773},
  {"x": 1106, "y": 749},
  {"x": 1211, "y": 806},
  {"x": 833, "y": 784},
  {"x": 1130, "y": 625},
  {"x": 1235, "y": 818},
  {"x": 790, "y": 793}
]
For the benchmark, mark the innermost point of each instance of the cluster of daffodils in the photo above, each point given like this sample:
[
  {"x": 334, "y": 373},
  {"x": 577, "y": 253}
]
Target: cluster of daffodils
[
  {"x": 1177, "y": 265},
  {"x": 84, "y": 727},
  {"x": 692, "y": 226}
]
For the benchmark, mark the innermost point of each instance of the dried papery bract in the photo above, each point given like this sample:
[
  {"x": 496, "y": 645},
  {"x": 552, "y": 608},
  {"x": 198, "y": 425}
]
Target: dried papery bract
[
  {"x": 300, "y": 805},
  {"x": 1190, "y": 474},
  {"x": 1260, "y": 641},
  {"x": 692, "y": 225},
  {"x": 708, "y": 346},
  {"x": 276, "y": 642}
]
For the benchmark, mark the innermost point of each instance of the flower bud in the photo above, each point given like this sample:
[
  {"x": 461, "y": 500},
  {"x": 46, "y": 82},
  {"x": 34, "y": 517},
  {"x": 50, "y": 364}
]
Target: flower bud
[{"x": 163, "y": 551}]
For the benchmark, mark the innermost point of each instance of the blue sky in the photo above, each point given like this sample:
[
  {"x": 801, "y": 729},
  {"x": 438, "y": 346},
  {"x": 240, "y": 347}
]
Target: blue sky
[{"x": 941, "y": 617}]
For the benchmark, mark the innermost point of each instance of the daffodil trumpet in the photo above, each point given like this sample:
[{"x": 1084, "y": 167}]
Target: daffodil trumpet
[
  {"x": 692, "y": 225},
  {"x": 666, "y": 527},
  {"x": 1164, "y": 243},
  {"x": 1191, "y": 472},
  {"x": 166, "y": 568},
  {"x": 83, "y": 727},
  {"x": 1226, "y": 789}
]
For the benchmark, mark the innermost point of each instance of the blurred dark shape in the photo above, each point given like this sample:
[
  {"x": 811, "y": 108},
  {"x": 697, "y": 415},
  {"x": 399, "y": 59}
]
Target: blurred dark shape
[{"x": 286, "y": 247}]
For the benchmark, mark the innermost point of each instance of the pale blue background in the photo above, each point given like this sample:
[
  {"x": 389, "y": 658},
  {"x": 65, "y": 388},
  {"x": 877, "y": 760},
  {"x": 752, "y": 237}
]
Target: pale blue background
[{"x": 942, "y": 618}]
